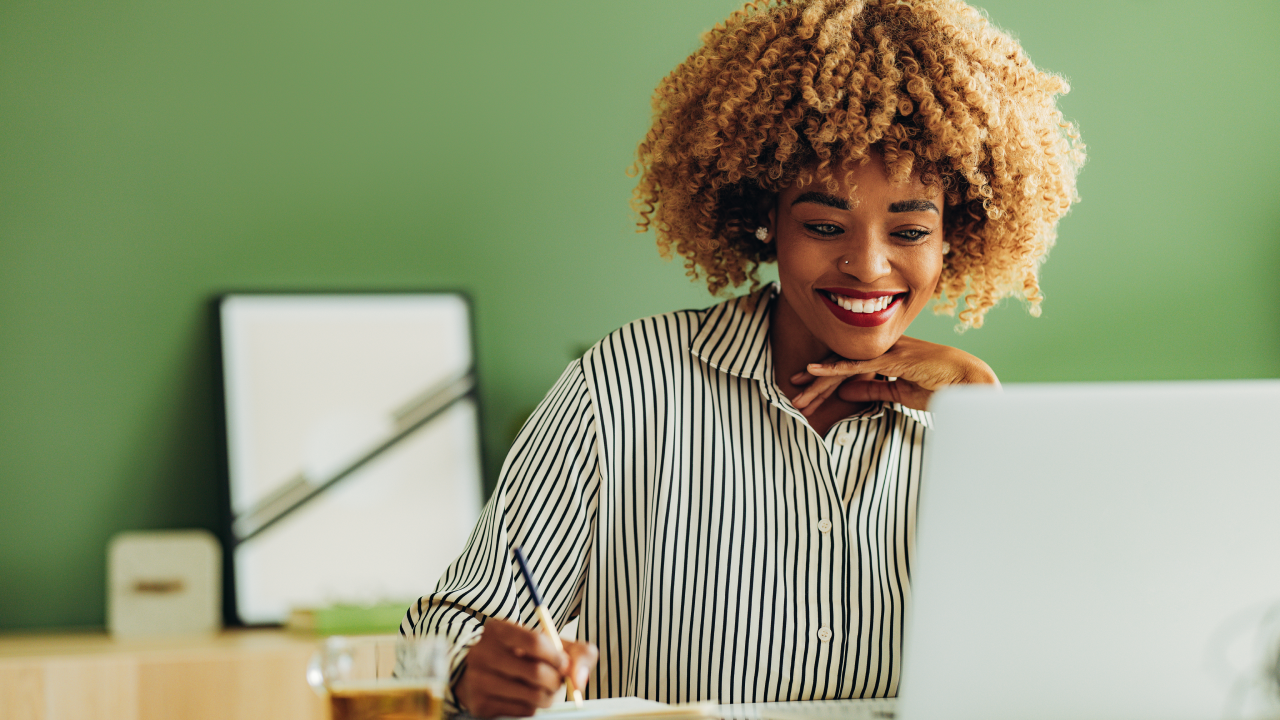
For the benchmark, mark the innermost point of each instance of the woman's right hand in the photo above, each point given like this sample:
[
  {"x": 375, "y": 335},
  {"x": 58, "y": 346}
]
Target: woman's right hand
[{"x": 514, "y": 670}]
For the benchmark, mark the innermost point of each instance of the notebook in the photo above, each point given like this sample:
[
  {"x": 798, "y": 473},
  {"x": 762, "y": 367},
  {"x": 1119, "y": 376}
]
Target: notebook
[
  {"x": 633, "y": 708},
  {"x": 1100, "y": 551}
]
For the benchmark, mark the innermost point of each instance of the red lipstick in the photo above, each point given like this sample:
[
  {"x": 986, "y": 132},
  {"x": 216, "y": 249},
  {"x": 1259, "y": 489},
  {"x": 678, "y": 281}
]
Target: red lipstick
[{"x": 873, "y": 319}]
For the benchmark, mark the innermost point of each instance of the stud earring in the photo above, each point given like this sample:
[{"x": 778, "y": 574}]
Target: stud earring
[
  {"x": 762, "y": 233},
  {"x": 946, "y": 247}
]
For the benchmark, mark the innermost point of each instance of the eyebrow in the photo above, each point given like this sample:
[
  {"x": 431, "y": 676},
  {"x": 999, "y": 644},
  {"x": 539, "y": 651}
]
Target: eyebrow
[
  {"x": 902, "y": 206},
  {"x": 822, "y": 198}
]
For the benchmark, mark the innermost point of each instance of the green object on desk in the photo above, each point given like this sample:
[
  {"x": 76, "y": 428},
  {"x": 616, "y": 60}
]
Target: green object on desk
[{"x": 380, "y": 619}]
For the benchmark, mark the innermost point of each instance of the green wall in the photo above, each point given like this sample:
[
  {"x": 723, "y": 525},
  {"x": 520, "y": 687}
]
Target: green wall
[{"x": 155, "y": 153}]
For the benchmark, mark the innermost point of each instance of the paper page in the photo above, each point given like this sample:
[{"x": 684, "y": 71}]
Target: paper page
[
  {"x": 868, "y": 709},
  {"x": 622, "y": 708}
]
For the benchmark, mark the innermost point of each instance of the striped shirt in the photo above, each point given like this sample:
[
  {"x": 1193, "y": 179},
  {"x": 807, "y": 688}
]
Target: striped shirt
[{"x": 707, "y": 539}]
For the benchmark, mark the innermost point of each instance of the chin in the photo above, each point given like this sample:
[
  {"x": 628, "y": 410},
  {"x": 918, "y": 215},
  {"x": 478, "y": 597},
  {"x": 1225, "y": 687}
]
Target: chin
[{"x": 862, "y": 349}]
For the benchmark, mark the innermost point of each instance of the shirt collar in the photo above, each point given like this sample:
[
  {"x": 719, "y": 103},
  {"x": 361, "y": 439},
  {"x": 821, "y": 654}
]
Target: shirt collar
[{"x": 734, "y": 336}]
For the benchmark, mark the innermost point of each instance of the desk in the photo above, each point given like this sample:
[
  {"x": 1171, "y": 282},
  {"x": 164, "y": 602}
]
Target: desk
[{"x": 236, "y": 674}]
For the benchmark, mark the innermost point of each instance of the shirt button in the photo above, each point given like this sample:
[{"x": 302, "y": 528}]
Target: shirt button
[
  {"x": 824, "y": 634},
  {"x": 844, "y": 439},
  {"x": 824, "y": 525}
]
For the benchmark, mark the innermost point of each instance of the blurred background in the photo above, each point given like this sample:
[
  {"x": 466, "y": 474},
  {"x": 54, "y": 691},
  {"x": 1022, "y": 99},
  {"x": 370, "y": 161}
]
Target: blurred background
[{"x": 154, "y": 154}]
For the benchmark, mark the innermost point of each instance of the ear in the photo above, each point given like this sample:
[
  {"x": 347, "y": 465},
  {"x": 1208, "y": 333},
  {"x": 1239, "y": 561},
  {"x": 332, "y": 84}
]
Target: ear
[{"x": 773, "y": 222}]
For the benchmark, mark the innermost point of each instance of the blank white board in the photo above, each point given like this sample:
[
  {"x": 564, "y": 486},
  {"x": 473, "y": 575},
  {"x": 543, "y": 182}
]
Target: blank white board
[{"x": 314, "y": 383}]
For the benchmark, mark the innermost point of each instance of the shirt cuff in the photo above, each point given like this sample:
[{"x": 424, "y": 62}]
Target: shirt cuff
[{"x": 458, "y": 663}]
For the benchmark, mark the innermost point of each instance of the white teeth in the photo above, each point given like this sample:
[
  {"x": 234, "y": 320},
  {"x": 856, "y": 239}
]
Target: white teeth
[{"x": 862, "y": 306}]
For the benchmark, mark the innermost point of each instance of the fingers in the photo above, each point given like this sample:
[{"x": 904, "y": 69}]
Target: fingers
[
  {"x": 582, "y": 657},
  {"x": 485, "y": 693},
  {"x": 813, "y": 395},
  {"x": 899, "y": 391},
  {"x": 512, "y": 671},
  {"x": 804, "y": 378},
  {"x": 524, "y": 642},
  {"x": 845, "y": 368},
  {"x": 924, "y": 366},
  {"x": 532, "y": 673}
]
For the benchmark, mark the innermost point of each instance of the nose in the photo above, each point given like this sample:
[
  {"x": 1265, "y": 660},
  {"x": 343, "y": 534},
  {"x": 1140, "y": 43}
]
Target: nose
[{"x": 866, "y": 260}]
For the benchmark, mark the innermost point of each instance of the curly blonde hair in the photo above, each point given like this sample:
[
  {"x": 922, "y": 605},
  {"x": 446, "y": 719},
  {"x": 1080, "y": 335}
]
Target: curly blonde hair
[{"x": 797, "y": 90}]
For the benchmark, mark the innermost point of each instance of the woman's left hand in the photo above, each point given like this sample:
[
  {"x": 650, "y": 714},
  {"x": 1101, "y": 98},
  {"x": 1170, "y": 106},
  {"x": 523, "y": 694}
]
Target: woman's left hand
[{"x": 919, "y": 367}]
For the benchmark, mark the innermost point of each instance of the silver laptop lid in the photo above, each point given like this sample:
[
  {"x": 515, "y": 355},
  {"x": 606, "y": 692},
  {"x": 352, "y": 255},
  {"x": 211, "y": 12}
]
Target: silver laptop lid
[{"x": 1098, "y": 551}]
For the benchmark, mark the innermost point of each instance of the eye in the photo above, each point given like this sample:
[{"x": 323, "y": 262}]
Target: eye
[
  {"x": 823, "y": 229},
  {"x": 912, "y": 236}
]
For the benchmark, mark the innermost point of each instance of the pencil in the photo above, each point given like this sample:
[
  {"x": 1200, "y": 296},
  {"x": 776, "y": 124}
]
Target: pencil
[{"x": 548, "y": 625}]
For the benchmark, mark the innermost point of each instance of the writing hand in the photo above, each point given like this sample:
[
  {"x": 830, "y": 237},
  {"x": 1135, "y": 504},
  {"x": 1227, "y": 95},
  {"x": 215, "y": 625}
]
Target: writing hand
[
  {"x": 514, "y": 670},
  {"x": 920, "y": 368}
]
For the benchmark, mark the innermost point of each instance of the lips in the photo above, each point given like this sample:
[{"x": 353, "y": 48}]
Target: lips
[{"x": 862, "y": 309}]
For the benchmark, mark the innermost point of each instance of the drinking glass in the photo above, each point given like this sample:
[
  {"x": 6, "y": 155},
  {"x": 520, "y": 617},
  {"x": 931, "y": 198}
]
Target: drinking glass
[{"x": 381, "y": 677}]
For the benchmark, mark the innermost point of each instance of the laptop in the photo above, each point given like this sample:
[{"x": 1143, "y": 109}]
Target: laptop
[{"x": 1098, "y": 551}]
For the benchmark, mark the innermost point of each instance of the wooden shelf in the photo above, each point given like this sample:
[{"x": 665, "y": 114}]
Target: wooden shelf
[{"x": 235, "y": 674}]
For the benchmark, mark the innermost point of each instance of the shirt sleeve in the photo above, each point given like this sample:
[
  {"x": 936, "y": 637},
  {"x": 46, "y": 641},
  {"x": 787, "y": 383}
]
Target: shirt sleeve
[{"x": 545, "y": 503}]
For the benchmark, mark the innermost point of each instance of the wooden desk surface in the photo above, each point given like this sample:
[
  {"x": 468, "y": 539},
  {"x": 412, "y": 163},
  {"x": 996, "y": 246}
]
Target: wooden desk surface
[{"x": 236, "y": 674}]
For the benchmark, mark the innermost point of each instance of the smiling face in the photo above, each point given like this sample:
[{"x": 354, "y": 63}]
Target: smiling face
[{"x": 856, "y": 267}]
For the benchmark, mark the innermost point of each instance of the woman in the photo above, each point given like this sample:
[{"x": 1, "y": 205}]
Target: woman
[{"x": 725, "y": 499}]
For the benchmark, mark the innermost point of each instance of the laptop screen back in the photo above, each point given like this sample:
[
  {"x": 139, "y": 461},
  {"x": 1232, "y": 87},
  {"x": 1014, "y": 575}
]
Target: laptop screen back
[{"x": 1101, "y": 551}]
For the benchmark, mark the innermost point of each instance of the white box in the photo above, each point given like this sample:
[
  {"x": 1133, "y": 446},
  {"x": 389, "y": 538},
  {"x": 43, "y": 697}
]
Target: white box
[{"x": 164, "y": 583}]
